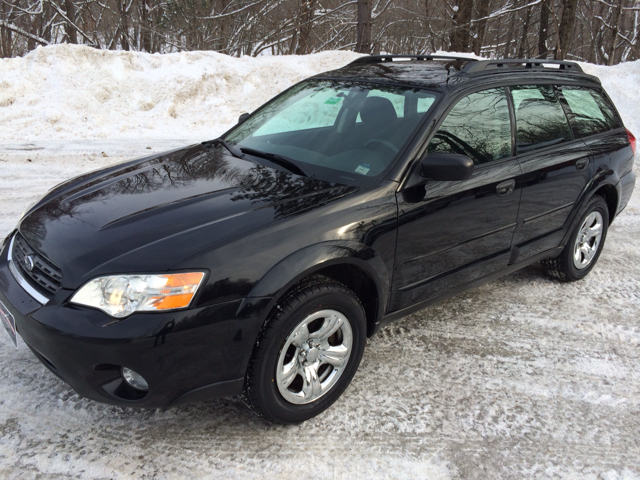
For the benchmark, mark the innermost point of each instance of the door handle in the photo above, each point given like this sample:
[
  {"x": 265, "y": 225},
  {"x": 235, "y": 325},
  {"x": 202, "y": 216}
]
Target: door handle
[
  {"x": 582, "y": 163},
  {"x": 506, "y": 188}
]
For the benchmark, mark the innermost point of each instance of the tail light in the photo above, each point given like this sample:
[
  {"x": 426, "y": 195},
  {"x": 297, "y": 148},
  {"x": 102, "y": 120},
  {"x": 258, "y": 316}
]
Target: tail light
[{"x": 632, "y": 140}]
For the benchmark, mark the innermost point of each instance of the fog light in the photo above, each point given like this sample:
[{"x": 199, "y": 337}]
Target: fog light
[{"x": 134, "y": 379}]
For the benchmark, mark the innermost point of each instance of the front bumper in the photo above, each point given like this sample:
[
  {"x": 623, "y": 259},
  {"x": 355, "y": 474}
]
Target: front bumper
[{"x": 187, "y": 355}]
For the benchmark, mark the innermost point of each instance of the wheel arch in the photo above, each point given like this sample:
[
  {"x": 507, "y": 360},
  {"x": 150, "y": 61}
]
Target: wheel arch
[
  {"x": 611, "y": 196},
  {"x": 353, "y": 264},
  {"x": 605, "y": 184}
]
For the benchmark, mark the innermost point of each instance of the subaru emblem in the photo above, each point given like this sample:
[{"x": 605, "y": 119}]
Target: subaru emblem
[{"x": 28, "y": 262}]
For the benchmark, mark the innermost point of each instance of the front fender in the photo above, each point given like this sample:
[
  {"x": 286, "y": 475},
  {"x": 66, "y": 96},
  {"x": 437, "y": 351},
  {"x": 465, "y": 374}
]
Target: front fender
[{"x": 314, "y": 258}]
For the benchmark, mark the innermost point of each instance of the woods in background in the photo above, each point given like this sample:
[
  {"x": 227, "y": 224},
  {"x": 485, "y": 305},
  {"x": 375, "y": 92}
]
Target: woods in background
[{"x": 597, "y": 31}]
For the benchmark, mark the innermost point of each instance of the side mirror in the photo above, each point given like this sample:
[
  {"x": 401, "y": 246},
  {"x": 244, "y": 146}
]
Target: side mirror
[
  {"x": 243, "y": 117},
  {"x": 446, "y": 166}
]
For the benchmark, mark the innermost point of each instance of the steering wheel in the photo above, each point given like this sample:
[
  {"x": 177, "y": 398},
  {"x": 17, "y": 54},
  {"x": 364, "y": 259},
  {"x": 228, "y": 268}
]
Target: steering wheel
[{"x": 384, "y": 143}]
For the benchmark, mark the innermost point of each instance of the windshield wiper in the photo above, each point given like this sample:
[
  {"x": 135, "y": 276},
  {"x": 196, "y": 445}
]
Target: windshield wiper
[
  {"x": 233, "y": 150},
  {"x": 277, "y": 159}
]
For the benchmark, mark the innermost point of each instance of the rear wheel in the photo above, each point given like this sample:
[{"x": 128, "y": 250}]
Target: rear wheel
[
  {"x": 583, "y": 249},
  {"x": 308, "y": 352}
]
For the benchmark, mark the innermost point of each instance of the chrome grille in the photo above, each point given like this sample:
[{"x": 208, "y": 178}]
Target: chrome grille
[{"x": 43, "y": 276}]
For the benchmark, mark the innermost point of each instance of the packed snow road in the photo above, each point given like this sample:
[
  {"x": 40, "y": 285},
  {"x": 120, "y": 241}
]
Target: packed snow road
[{"x": 524, "y": 377}]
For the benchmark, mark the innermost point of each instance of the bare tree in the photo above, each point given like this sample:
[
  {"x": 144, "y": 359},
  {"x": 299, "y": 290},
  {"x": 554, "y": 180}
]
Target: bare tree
[
  {"x": 601, "y": 31},
  {"x": 307, "y": 10},
  {"x": 461, "y": 23},
  {"x": 70, "y": 28},
  {"x": 483, "y": 10},
  {"x": 363, "y": 31},
  {"x": 565, "y": 29}
]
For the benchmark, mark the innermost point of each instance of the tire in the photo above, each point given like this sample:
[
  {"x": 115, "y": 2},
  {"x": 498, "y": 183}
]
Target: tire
[
  {"x": 575, "y": 263},
  {"x": 297, "y": 373}
]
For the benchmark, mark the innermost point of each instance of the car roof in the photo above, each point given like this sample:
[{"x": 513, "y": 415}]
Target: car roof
[{"x": 443, "y": 72}]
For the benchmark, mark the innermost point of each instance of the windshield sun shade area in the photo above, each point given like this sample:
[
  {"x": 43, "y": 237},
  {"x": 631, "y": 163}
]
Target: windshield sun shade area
[{"x": 341, "y": 131}]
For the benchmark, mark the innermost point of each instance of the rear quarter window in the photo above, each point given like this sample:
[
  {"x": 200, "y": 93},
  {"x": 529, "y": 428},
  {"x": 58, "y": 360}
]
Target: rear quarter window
[
  {"x": 589, "y": 111},
  {"x": 540, "y": 120}
]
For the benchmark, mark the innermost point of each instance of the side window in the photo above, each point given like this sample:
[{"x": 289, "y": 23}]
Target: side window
[
  {"x": 540, "y": 120},
  {"x": 477, "y": 126},
  {"x": 590, "y": 112}
]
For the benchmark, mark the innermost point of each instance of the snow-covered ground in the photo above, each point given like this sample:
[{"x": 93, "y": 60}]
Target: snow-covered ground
[{"x": 524, "y": 377}]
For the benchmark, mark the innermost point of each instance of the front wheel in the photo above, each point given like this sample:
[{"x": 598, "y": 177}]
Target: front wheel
[
  {"x": 585, "y": 244},
  {"x": 307, "y": 353}
]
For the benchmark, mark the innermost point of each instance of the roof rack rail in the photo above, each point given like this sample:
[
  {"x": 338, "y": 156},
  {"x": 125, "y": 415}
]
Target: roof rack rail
[
  {"x": 390, "y": 58},
  {"x": 524, "y": 63}
]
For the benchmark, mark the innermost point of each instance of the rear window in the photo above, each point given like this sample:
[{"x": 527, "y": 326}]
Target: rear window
[
  {"x": 589, "y": 111},
  {"x": 540, "y": 120}
]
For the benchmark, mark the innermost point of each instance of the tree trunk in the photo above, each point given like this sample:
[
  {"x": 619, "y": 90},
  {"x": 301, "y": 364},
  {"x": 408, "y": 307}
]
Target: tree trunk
[
  {"x": 145, "y": 26},
  {"x": 36, "y": 25},
  {"x": 69, "y": 29},
  {"x": 615, "y": 18},
  {"x": 307, "y": 10},
  {"x": 6, "y": 35},
  {"x": 124, "y": 22},
  {"x": 510, "y": 35},
  {"x": 566, "y": 28},
  {"x": 483, "y": 11},
  {"x": 460, "y": 32},
  {"x": 544, "y": 26},
  {"x": 294, "y": 42},
  {"x": 223, "y": 42},
  {"x": 363, "y": 30},
  {"x": 525, "y": 32}
]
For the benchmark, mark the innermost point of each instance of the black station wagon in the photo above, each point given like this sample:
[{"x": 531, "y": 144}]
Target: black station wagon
[{"x": 257, "y": 264}]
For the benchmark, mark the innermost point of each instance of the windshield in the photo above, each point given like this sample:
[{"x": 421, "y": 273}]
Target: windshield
[{"x": 340, "y": 131}]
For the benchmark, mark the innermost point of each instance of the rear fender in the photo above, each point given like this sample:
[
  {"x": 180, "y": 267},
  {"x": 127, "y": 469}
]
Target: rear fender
[{"x": 604, "y": 177}]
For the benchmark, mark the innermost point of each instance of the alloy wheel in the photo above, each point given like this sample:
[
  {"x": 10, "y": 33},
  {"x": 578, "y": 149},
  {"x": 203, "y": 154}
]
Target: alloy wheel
[
  {"x": 588, "y": 240},
  {"x": 314, "y": 356}
]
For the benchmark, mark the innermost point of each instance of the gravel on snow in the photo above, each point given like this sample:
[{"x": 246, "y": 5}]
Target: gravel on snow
[{"x": 523, "y": 377}]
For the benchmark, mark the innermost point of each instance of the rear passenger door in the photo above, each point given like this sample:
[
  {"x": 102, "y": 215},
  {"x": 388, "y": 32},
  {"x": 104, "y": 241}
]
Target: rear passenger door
[
  {"x": 452, "y": 233},
  {"x": 594, "y": 119},
  {"x": 556, "y": 168}
]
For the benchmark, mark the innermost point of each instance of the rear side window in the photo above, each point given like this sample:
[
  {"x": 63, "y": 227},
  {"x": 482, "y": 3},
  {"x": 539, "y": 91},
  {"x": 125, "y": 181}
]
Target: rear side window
[
  {"x": 477, "y": 126},
  {"x": 540, "y": 120},
  {"x": 589, "y": 111}
]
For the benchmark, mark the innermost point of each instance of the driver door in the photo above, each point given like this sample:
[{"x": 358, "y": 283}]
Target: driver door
[{"x": 452, "y": 233}]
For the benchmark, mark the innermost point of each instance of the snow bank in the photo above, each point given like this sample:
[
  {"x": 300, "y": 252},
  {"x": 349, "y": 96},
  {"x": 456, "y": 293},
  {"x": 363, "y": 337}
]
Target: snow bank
[
  {"x": 68, "y": 92},
  {"x": 75, "y": 92}
]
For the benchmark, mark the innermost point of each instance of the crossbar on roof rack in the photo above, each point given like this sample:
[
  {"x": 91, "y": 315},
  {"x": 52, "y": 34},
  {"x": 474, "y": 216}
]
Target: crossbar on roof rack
[
  {"x": 531, "y": 64},
  {"x": 390, "y": 58}
]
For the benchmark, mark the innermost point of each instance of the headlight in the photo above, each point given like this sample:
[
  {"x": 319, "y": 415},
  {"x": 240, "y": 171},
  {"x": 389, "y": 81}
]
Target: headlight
[{"x": 122, "y": 295}]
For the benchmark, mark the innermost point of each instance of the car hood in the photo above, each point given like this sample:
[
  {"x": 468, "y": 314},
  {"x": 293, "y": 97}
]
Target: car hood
[{"x": 150, "y": 214}]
